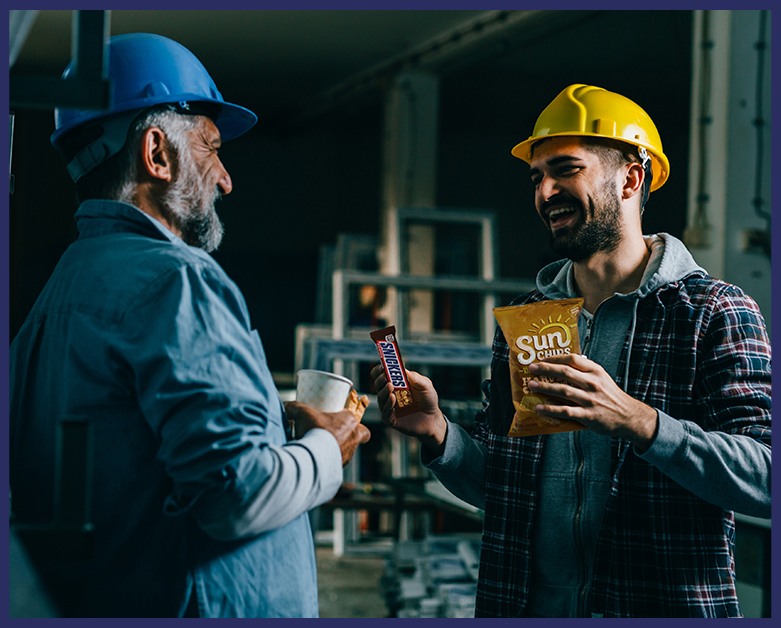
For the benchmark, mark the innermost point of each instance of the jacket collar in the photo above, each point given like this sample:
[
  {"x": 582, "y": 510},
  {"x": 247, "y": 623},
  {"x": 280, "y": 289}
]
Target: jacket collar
[{"x": 100, "y": 217}]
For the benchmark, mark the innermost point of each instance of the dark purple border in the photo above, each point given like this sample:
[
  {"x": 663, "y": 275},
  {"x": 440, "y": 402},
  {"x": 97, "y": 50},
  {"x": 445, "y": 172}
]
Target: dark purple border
[
  {"x": 245, "y": 4},
  {"x": 776, "y": 322}
]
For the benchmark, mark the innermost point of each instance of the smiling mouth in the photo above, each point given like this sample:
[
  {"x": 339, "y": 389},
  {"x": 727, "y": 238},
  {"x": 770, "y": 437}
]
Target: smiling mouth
[{"x": 560, "y": 216}]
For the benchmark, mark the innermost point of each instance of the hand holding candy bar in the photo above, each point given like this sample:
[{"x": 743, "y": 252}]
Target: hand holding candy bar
[
  {"x": 427, "y": 424},
  {"x": 407, "y": 400}
]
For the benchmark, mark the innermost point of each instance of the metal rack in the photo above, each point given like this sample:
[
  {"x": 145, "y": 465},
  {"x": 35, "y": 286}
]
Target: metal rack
[
  {"x": 345, "y": 347},
  {"x": 485, "y": 221}
]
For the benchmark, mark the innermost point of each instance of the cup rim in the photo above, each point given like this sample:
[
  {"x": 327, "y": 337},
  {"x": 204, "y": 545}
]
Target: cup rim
[{"x": 333, "y": 375}]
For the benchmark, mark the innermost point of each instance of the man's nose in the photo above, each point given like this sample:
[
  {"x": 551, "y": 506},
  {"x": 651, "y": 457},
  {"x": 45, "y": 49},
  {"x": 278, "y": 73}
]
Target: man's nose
[
  {"x": 224, "y": 182},
  {"x": 547, "y": 188}
]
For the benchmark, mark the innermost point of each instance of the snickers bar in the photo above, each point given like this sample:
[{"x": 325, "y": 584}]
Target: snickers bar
[{"x": 388, "y": 348}]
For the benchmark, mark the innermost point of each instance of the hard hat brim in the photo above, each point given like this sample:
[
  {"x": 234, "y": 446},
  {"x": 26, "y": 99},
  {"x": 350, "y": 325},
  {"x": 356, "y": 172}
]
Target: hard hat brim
[{"x": 232, "y": 120}]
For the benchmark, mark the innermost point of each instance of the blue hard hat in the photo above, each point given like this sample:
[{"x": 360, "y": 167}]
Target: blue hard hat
[{"x": 147, "y": 70}]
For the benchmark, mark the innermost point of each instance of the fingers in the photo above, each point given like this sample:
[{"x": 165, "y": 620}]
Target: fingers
[
  {"x": 566, "y": 360},
  {"x": 552, "y": 413},
  {"x": 574, "y": 370},
  {"x": 292, "y": 407},
  {"x": 386, "y": 400},
  {"x": 563, "y": 391},
  {"x": 415, "y": 379},
  {"x": 564, "y": 378},
  {"x": 378, "y": 376},
  {"x": 300, "y": 417}
]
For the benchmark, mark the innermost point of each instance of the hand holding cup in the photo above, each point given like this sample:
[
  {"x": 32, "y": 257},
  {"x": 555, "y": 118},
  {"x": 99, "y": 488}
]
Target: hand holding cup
[{"x": 325, "y": 400}]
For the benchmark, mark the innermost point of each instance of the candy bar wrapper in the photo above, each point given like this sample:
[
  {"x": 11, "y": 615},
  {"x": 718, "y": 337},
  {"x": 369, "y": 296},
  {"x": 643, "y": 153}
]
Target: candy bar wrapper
[
  {"x": 388, "y": 348},
  {"x": 534, "y": 332}
]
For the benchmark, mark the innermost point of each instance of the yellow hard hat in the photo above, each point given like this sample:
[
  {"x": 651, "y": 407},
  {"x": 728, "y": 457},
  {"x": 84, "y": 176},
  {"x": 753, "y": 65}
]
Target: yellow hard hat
[{"x": 585, "y": 110}]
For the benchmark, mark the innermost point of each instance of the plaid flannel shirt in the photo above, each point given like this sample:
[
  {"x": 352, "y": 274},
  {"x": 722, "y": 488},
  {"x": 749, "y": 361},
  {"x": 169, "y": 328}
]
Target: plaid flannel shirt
[{"x": 700, "y": 352}]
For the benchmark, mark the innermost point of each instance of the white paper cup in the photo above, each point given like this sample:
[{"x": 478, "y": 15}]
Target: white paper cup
[{"x": 327, "y": 392}]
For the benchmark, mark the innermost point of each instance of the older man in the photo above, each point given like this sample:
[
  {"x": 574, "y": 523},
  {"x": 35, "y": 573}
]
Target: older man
[{"x": 198, "y": 496}]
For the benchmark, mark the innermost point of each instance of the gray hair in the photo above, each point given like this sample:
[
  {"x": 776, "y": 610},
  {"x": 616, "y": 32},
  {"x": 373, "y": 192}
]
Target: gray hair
[{"x": 176, "y": 128}]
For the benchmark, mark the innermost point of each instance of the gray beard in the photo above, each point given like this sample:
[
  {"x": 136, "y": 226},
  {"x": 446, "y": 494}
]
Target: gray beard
[
  {"x": 192, "y": 211},
  {"x": 204, "y": 231}
]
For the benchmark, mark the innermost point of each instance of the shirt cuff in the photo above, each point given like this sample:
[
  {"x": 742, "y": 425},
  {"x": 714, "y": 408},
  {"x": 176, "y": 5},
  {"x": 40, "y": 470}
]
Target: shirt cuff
[
  {"x": 324, "y": 449},
  {"x": 454, "y": 446},
  {"x": 669, "y": 443}
]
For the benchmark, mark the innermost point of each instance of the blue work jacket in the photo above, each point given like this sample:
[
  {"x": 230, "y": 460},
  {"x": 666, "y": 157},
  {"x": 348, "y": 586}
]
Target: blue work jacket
[{"x": 148, "y": 338}]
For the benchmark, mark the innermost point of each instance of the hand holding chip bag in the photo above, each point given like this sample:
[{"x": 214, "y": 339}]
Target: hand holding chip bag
[{"x": 534, "y": 332}]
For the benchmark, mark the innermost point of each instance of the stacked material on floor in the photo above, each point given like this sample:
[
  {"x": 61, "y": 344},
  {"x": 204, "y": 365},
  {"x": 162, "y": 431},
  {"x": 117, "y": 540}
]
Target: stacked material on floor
[{"x": 434, "y": 577}]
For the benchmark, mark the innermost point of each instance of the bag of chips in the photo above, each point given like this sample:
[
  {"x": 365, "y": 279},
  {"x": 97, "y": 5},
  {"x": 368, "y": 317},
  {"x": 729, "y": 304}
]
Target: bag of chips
[{"x": 534, "y": 332}]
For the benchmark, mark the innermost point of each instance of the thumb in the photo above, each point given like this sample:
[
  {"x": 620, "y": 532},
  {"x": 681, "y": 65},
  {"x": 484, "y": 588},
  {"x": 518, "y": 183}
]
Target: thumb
[{"x": 417, "y": 381}]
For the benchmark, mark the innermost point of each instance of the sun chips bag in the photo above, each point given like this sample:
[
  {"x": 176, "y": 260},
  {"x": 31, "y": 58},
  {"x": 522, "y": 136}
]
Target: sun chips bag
[{"x": 534, "y": 332}]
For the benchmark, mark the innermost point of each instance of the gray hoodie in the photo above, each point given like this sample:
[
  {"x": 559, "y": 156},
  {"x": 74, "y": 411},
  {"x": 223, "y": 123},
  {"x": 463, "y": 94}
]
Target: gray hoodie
[{"x": 575, "y": 470}]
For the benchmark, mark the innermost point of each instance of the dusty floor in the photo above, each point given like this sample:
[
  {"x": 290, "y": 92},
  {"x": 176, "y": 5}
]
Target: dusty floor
[{"x": 349, "y": 585}]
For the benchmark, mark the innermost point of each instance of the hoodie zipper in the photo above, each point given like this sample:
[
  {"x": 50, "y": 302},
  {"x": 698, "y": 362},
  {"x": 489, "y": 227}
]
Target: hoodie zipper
[
  {"x": 578, "y": 538},
  {"x": 587, "y": 339}
]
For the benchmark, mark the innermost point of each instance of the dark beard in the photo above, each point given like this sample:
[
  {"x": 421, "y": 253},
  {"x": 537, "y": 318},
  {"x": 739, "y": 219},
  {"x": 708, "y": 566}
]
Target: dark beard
[{"x": 600, "y": 234}]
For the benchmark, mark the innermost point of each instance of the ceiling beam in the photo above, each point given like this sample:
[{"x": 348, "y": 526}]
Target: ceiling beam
[{"x": 87, "y": 86}]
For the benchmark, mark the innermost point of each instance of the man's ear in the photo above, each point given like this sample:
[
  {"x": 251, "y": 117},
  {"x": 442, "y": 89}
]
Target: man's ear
[
  {"x": 156, "y": 156},
  {"x": 633, "y": 181}
]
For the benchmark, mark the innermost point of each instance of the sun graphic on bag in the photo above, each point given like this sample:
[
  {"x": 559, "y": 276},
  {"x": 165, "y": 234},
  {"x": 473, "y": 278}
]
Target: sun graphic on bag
[{"x": 547, "y": 338}]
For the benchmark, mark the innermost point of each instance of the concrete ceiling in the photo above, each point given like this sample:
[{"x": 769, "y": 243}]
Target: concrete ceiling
[
  {"x": 300, "y": 60},
  {"x": 327, "y": 44}
]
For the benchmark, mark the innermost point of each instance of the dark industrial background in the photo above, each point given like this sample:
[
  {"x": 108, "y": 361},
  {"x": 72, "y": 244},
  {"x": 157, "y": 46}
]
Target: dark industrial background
[
  {"x": 312, "y": 168},
  {"x": 306, "y": 173}
]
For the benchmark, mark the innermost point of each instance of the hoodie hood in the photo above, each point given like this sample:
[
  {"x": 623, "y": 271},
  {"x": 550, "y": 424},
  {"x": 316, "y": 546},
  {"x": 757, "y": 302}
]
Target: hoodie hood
[{"x": 670, "y": 261}]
